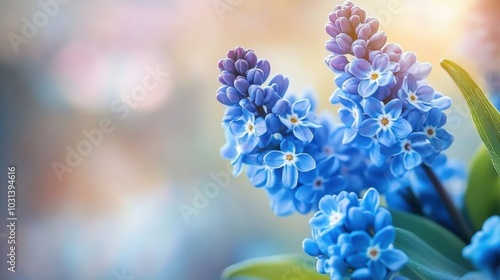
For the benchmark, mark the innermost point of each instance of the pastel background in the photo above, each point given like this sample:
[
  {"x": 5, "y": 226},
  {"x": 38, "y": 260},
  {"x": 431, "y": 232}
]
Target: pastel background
[{"x": 117, "y": 215}]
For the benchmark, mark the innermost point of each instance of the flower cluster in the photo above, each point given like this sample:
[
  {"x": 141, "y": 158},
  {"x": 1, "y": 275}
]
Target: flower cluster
[
  {"x": 273, "y": 135},
  {"x": 484, "y": 250},
  {"x": 353, "y": 238},
  {"x": 387, "y": 106}
]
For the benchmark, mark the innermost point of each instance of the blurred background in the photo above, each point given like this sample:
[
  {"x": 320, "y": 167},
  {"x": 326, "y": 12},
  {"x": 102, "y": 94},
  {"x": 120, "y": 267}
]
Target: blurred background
[{"x": 130, "y": 206}]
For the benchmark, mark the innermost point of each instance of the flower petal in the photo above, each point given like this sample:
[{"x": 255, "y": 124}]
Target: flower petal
[
  {"x": 287, "y": 146},
  {"x": 303, "y": 133},
  {"x": 360, "y": 68},
  {"x": 275, "y": 159},
  {"x": 386, "y": 137},
  {"x": 411, "y": 160},
  {"x": 401, "y": 128},
  {"x": 260, "y": 127},
  {"x": 290, "y": 176},
  {"x": 369, "y": 127},
  {"x": 373, "y": 107},
  {"x": 394, "y": 108},
  {"x": 367, "y": 88},
  {"x": 238, "y": 128},
  {"x": 301, "y": 108},
  {"x": 384, "y": 237},
  {"x": 360, "y": 240},
  {"x": 394, "y": 259},
  {"x": 304, "y": 162}
]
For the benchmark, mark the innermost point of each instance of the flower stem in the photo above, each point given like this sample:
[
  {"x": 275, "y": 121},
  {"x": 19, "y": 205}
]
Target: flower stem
[{"x": 463, "y": 228}]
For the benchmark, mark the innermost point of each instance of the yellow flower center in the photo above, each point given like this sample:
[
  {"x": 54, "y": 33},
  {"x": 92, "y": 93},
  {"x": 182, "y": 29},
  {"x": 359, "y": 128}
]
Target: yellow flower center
[
  {"x": 294, "y": 120},
  {"x": 385, "y": 121},
  {"x": 250, "y": 127},
  {"x": 413, "y": 98},
  {"x": 374, "y": 76},
  {"x": 289, "y": 157}
]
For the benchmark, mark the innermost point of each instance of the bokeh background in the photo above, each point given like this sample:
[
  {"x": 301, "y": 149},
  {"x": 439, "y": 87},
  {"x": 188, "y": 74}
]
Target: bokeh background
[{"x": 117, "y": 214}]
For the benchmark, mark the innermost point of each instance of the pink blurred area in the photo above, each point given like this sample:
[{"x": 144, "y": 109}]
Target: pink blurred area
[{"x": 118, "y": 211}]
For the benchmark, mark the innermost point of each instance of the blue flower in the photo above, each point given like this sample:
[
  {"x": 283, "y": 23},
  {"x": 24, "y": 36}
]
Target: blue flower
[
  {"x": 433, "y": 128},
  {"x": 283, "y": 201},
  {"x": 484, "y": 250},
  {"x": 262, "y": 175},
  {"x": 351, "y": 115},
  {"x": 297, "y": 120},
  {"x": 248, "y": 130},
  {"x": 385, "y": 122},
  {"x": 415, "y": 96},
  {"x": 352, "y": 239},
  {"x": 376, "y": 256},
  {"x": 372, "y": 76},
  {"x": 320, "y": 181},
  {"x": 290, "y": 161},
  {"x": 233, "y": 151},
  {"x": 409, "y": 153}
]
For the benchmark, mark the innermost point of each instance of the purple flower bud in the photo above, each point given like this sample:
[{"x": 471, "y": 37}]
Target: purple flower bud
[
  {"x": 265, "y": 67},
  {"x": 226, "y": 78},
  {"x": 360, "y": 48},
  {"x": 364, "y": 31},
  {"x": 241, "y": 66},
  {"x": 377, "y": 41},
  {"x": 393, "y": 51},
  {"x": 279, "y": 84},
  {"x": 340, "y": 45},
  {"x": 273, "y": 123},
  {"x": 281, "y": 107},
  {"x": 374, "y": 24},
  {"x": 222, "y": 96},
  {"x": 245, "y": 103},
  {"x": 256, "y": 94},
  {"x": 241, "y": 84},
  {"x": 251, "y": 58},
  {"x": 233, "y": 94},
  {"x": 337, "y": 63}
]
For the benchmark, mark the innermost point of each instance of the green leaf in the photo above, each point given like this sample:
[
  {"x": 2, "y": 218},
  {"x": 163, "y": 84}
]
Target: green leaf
[
  {"x": 436, "y": 236},
  {"x": 482, "y": 197},
  {"x": 486, "y": 117},
  {"x": 282, "y": 267},
  {"x": 425, "y": 262}
]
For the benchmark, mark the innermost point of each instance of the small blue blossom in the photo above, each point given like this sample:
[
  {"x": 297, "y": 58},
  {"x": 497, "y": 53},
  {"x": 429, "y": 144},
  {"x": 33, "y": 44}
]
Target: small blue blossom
[
  {"x": 433, "y": 128},
  {"x": 248, "y": 130},
  {"x": 375, "y": 256},
  {"x": 320, "y": 181},
  {"x": 484, "y": 250},
  {"x": 351, "y": 115},
  {"x": 409, "y": 153},
  {"x": 297, "y": 121},
  {"x": 233, "y": 151},
  {"x": 385, "y": 122},
  {"x": 372, "y": 76},
  {"x": 291, "y": 162},
  {"x": 419, "y": 97},
  {"x": 353, "y": 238}
]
